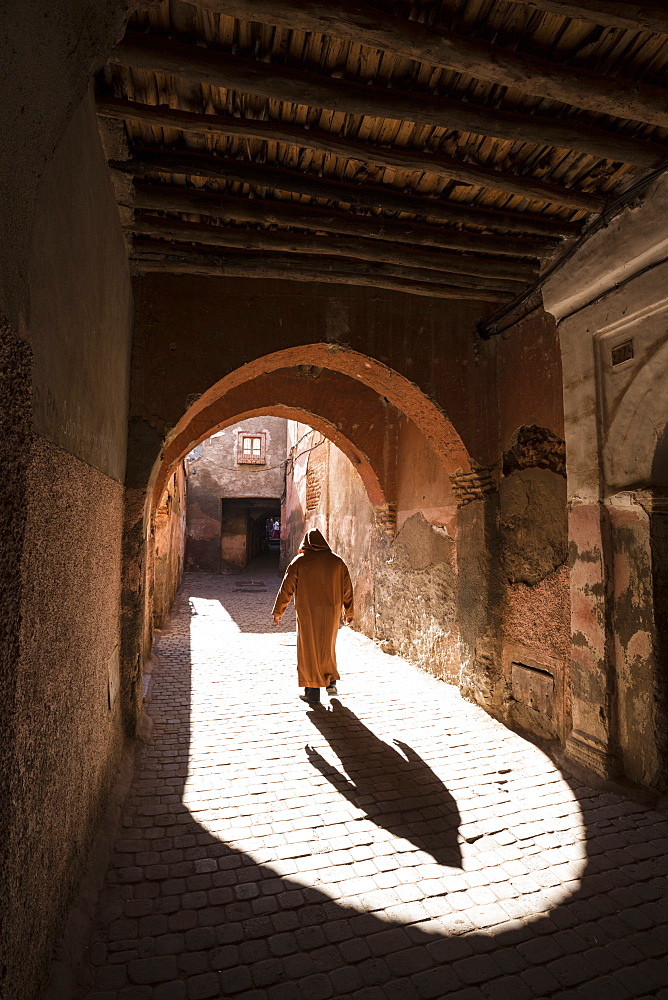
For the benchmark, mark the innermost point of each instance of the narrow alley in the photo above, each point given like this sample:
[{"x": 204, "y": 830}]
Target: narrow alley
[{"x": 396, "y": 843}]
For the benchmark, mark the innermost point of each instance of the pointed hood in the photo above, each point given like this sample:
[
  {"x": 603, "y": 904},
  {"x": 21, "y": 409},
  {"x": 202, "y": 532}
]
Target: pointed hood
[{"x": 314, "y": 541}]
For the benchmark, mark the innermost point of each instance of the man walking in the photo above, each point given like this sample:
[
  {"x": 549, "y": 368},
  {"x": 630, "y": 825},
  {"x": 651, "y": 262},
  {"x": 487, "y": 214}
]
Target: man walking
[{"x": 320, "y": 583}]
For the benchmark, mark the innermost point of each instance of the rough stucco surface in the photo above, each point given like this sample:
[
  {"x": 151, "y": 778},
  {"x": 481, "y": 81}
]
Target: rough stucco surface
[
  {"x": 533, "y": 524},
  {"x": 640, "y": 711},
  {"x": 65, "y": 287},
  {"x": 67, "y": 741},
  {"x": 538, "y": 616},
  {"x": 15, "y": 435},
  {"x": 416, "y": 597}
]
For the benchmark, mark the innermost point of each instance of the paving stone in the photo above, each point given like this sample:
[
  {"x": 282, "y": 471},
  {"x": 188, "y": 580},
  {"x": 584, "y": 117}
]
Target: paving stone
[
  {"x": 476, "y": 969},
  {"x": 250, "y": 867},
  {"x": 400, "y": 989},
  {"x": 193, "y": 962},
  {"x": 285, "y": 991},
  {"x": 136, "y": 993},
  {"x": 606, "y": 987},
  {"x": 317, "y": 987},
  {"x": 203, "y": 987},
  {"x": 508, "y": 988},
  {"x": 409, "y": 961},
  {"x": 433, "y": 983},
  {"x": 152, "y": 970}
]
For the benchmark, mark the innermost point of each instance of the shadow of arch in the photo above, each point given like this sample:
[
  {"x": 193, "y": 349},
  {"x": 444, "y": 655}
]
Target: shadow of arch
[{"x": 261, "y": 928}]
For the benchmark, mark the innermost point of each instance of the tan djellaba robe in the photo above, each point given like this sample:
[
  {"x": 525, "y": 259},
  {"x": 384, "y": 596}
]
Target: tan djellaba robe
[{"x": 320, "y": 583}]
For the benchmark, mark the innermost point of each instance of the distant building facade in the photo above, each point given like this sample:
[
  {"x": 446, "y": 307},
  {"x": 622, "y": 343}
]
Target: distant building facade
[{"x": 236, "y": 485}]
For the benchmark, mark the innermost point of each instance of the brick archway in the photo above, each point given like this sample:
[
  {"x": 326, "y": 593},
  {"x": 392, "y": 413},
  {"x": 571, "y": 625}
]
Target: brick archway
[
  {"x": 349, "y": 396},
  {"x": 362, "y": 463}
]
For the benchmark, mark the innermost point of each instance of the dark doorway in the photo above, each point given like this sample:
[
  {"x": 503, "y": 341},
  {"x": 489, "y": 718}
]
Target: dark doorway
[{"x": 245, "y": 534}]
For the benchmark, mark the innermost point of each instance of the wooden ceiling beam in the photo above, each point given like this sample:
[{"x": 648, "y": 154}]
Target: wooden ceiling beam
[
  {"x": 259, "y": 211},
  {"x": 361, "y": 23},
  {"x": 219, "y": 69},
  {"x": 168, "y": 161},
  {"x": 375, "y": 251},
  {"x": 446, "y": 167},
  {"x": 151, "y": 255},
  {"x": 645, "y": 16}
]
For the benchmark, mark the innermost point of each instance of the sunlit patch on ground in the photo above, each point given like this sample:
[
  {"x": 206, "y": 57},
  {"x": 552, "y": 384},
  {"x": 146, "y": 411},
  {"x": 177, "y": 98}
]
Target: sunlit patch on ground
[{"x": 397, "y": 798}]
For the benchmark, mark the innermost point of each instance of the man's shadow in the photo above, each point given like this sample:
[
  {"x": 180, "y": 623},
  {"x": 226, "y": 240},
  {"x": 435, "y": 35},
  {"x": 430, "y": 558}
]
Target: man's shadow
[{"x": 398, "y": 791}]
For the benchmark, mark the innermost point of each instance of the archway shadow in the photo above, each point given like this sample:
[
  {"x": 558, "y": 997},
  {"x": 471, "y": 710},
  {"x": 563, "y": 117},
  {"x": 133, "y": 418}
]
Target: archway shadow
[
  {"x": 397, "y": 791},
  {"x": 184, "y": 906}
]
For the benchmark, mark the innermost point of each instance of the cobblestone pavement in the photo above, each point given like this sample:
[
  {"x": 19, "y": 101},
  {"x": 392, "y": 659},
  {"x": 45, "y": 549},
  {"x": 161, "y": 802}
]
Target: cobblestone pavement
[{"x": 394, "y": 844}]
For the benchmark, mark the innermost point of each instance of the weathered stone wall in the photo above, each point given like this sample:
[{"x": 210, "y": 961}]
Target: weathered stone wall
[
  {"x": 169, "y": 535},
  {"x": 416, "y": 583},
  {"x": 214, "y": 474},
  {"x": 65, "y": 299}
]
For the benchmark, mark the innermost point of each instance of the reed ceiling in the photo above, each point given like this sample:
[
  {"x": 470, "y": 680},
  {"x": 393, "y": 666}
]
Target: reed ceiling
[{"x": 442, "y": 147}]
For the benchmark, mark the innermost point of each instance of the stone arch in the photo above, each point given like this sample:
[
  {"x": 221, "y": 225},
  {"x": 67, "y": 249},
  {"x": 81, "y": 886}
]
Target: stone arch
[{"x": 361, "y": 461}]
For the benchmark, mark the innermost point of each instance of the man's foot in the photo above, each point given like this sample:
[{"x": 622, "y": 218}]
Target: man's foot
[
  {"x": 331, "y": 689},
  {"x": 311, "y": 696}
]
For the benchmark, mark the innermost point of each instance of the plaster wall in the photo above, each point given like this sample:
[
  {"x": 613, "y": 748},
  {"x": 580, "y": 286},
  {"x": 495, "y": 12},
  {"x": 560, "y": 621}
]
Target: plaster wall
[
  {"x": 634, "y": 240},
  {"x": 620, "y": 426},
  {"x": 67, "y": 722},
  {"x": 81, "y": 304},
  {"x": 527, "y": 376},
  {"x": 169, "y": 546},
  {"x": 67, "y": 287},
  {"x": 428, "y": 492},
  {"x": 214, "y": 474},
  {"x": 616, "y": 420},
  {"x": 534, "y": 594}
]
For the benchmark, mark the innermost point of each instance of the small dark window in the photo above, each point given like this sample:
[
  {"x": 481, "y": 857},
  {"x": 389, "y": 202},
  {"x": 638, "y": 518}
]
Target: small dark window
[{"x": 623, "y": 352}]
